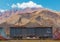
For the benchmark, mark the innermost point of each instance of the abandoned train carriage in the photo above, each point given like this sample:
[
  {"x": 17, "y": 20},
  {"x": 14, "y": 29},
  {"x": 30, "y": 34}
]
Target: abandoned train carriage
[{"x": 31, "y": 32}]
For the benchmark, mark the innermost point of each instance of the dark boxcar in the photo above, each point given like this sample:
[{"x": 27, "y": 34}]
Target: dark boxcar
[
  {"x": 39, "y": 32},
  {"x": 44, "y": 32},
  {"x": 16, "y": 32}
]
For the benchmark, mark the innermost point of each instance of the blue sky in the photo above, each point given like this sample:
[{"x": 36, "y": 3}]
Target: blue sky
[{"x": 51, "y": 4}]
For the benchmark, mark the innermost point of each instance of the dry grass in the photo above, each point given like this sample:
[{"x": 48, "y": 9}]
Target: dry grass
[{"x": 31, "y": 41}]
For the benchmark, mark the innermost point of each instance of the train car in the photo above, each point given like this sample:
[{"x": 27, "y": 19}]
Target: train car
[
  {"x": 3, "y": 35},
  {"x": 30, "y": 32},
  {"x": 56, "y": 34}
]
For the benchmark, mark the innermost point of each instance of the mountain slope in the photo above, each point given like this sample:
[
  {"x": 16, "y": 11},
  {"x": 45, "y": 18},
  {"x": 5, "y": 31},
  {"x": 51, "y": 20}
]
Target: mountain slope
[{"x": 43, "y": 18}]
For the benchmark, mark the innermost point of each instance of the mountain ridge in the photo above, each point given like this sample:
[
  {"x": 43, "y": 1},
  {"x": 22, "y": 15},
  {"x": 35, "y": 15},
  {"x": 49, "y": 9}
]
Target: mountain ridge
[{"x": 43, "y": 17}]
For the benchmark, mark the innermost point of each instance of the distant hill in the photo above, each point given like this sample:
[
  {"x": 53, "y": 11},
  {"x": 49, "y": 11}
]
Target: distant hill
[{"x": 31, "y": 17}]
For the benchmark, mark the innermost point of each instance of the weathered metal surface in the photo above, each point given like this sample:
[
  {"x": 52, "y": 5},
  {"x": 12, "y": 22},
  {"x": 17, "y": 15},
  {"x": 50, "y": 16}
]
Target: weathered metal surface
[
  {"x": 56, "y": 34},
  {"x": 2, "y": 34},
  {"x": 36, "y": 32}
]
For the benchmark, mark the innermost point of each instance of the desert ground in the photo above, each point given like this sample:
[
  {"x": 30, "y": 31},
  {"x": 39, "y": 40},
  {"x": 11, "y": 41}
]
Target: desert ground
[{"x": 31, "y": 41}]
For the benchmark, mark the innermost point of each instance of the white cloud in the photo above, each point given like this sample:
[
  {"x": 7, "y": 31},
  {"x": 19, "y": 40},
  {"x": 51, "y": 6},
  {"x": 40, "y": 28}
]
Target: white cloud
[
  {"x": 23, "y": 5},
  {"x": 13, "y": 6},
  {"x": 2, "y": 10}
]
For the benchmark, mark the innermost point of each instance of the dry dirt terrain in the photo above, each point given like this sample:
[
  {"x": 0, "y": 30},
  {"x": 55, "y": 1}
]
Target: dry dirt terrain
[{"x": 32, "y": 41}]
